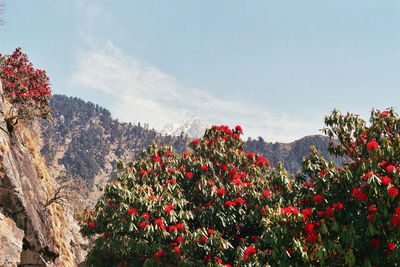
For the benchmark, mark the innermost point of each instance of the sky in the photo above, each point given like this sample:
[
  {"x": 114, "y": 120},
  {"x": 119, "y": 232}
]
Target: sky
[{"x": 274, "y": 67}]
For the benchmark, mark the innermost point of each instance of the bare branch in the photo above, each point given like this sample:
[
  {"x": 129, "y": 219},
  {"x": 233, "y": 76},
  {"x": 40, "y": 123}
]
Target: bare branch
[{"x": 64, "y": 192}]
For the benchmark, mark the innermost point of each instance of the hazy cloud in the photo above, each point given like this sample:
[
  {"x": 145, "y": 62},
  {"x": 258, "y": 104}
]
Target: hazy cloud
[{"x": 147, "y": 94}]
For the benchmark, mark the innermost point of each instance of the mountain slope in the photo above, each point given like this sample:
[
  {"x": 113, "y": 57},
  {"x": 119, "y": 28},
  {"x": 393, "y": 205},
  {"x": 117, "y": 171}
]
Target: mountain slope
[
  {"x": 84, "y": 142},
  {"x": 290, "y": 154}
]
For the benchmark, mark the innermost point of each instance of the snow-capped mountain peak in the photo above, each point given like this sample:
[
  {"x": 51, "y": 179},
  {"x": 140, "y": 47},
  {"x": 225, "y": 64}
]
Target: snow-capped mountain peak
[{"x": 194, "y": 127}]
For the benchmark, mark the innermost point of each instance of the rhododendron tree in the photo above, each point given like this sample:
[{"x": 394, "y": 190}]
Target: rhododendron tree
[
  {"x": 203, "y": 207},
  {"x": 349, "y": 214},
  {"x": 27, "y": 89}
]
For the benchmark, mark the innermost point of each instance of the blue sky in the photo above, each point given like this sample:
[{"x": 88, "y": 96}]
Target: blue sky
[{"x": 274, "y": 67}]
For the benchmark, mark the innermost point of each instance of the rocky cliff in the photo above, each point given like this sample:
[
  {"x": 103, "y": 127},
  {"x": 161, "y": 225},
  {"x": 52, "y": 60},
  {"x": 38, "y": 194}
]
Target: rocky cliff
[{"x": 33, "y": 231}]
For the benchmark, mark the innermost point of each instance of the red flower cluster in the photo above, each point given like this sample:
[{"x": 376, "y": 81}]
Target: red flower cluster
[
  {"x": 249, "y": 251},
  {"x": 372, "y": 145},
  {"x": 290, "y": 210},
  {"x": 393, "y": 191},
  {"x": 24, "y": 84},
  {"x": 318, "y": 199},
  {"x": 359, "y": 194},
  {"x": 169, "y": 208}
]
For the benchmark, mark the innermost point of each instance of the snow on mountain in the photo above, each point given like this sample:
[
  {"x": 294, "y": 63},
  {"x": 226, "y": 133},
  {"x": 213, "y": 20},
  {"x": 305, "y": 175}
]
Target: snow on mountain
[{"x": 194, "y": 127}]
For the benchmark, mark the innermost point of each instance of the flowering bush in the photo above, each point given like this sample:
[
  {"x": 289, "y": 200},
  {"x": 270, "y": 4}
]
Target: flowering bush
[
  {"x": 221, "y": 206},
  {"x": 203, "y": 207},
  {"x": 348, "y": 215},
  {"x": 25, "y": 87}
]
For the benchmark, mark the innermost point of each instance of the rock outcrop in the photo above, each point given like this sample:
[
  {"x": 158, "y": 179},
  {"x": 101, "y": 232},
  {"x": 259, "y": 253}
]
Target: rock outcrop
[{"x": 32, "y": 231}]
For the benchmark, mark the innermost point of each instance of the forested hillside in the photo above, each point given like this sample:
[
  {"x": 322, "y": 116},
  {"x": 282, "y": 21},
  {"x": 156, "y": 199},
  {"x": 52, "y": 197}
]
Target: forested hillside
[
  {"x": 290, "y": 154},
  {"x": 83, "y": 141}
]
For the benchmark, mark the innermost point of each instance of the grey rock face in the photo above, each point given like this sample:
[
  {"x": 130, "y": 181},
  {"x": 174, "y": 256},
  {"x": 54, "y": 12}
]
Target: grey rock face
[
  {"x": 10, "y": 241},
  {"x": 37, "y": 235}
]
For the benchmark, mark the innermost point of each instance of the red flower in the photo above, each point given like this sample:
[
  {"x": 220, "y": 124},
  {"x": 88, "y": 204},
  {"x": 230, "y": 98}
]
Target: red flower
[
  {"x": 161, "y": 252},
  {"x": 172, "y": 228},
  {"x": 218, "y": 260},
  {"x": 106, "y": 234},
  {"x": 390, "y": 168},
  {"x": 396, "y": 221},
  {"x": 397, "y": 211},
  {"x": 306, "y": 213},
  {"x": 210, "y": 231},
  {"x": 235, "y": 136},
  {"x": 393, "y": 191},
  {"x": 339, "y": 206},
  {"x": 318, "y": 198},
  {"x": 372, "y": 209},
  {"x": 180, "y": 227},
  {"x": 203, "y": 239},
  {"x": 159, "y": 222},
  {"x": 211, "y": 183},
  {"x": 204, "y": 168},
  {"x": 143, "y": 225},
  {"x": 179, "y": 239},
  {"x": 229, "y": 203},
  {"x": 261, "y": 161},
  {"x": 146, "y": 216},
  {"x": 189, "y": 175},
  {"x": 375, "y": 242},
  {"x": 311, "y": 238},
  {"x": 372, "y": 145},
  {"x": 91, "y": 224},
  {"x": 249, "y": 251},
  {"x": 386, "y": 180},
  {"x": 132, "y": 211},
  {"x": 220, "y": 191},
  {"x": 239, "y": 129},
  {"x": 391, "y": 246},
  {"x": 384, "y": 113},
  {"x": 266, "y": 193},
  {"x": 196, "y": 141},
  {"x": 169, "y": 208},
  {"x": 310, "y": 227},
  {"x": 177, "y": 250},
  {"x": 239, "y": 201},
  {"x": 357, "y": 193}
]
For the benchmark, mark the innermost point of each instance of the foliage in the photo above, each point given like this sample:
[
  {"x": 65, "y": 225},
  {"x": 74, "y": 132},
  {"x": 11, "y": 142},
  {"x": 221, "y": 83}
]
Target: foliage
[
  {"x": 220, "y": 205},
  {"x": 199, "y": 208},
  {"x": 25, "y": 87},
  {"x": 347, "y": 216}
]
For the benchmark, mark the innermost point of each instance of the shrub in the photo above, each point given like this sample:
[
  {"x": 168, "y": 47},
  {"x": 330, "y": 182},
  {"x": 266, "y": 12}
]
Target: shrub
[
  {"x": 348, "y": 215},
  {"x": 203, "y": 207},
  {"x": 26, "y": 88}
]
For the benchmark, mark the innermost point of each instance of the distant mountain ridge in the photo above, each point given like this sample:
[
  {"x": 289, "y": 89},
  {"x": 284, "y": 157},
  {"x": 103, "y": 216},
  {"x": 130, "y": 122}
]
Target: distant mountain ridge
[{"x": 84, "y": 142}]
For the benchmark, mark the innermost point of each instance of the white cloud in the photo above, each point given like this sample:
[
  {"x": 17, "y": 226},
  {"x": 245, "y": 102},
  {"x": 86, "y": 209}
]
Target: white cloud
[
  {"x": 144, "y": 93},
  {"x": 147, "y": 94}
]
